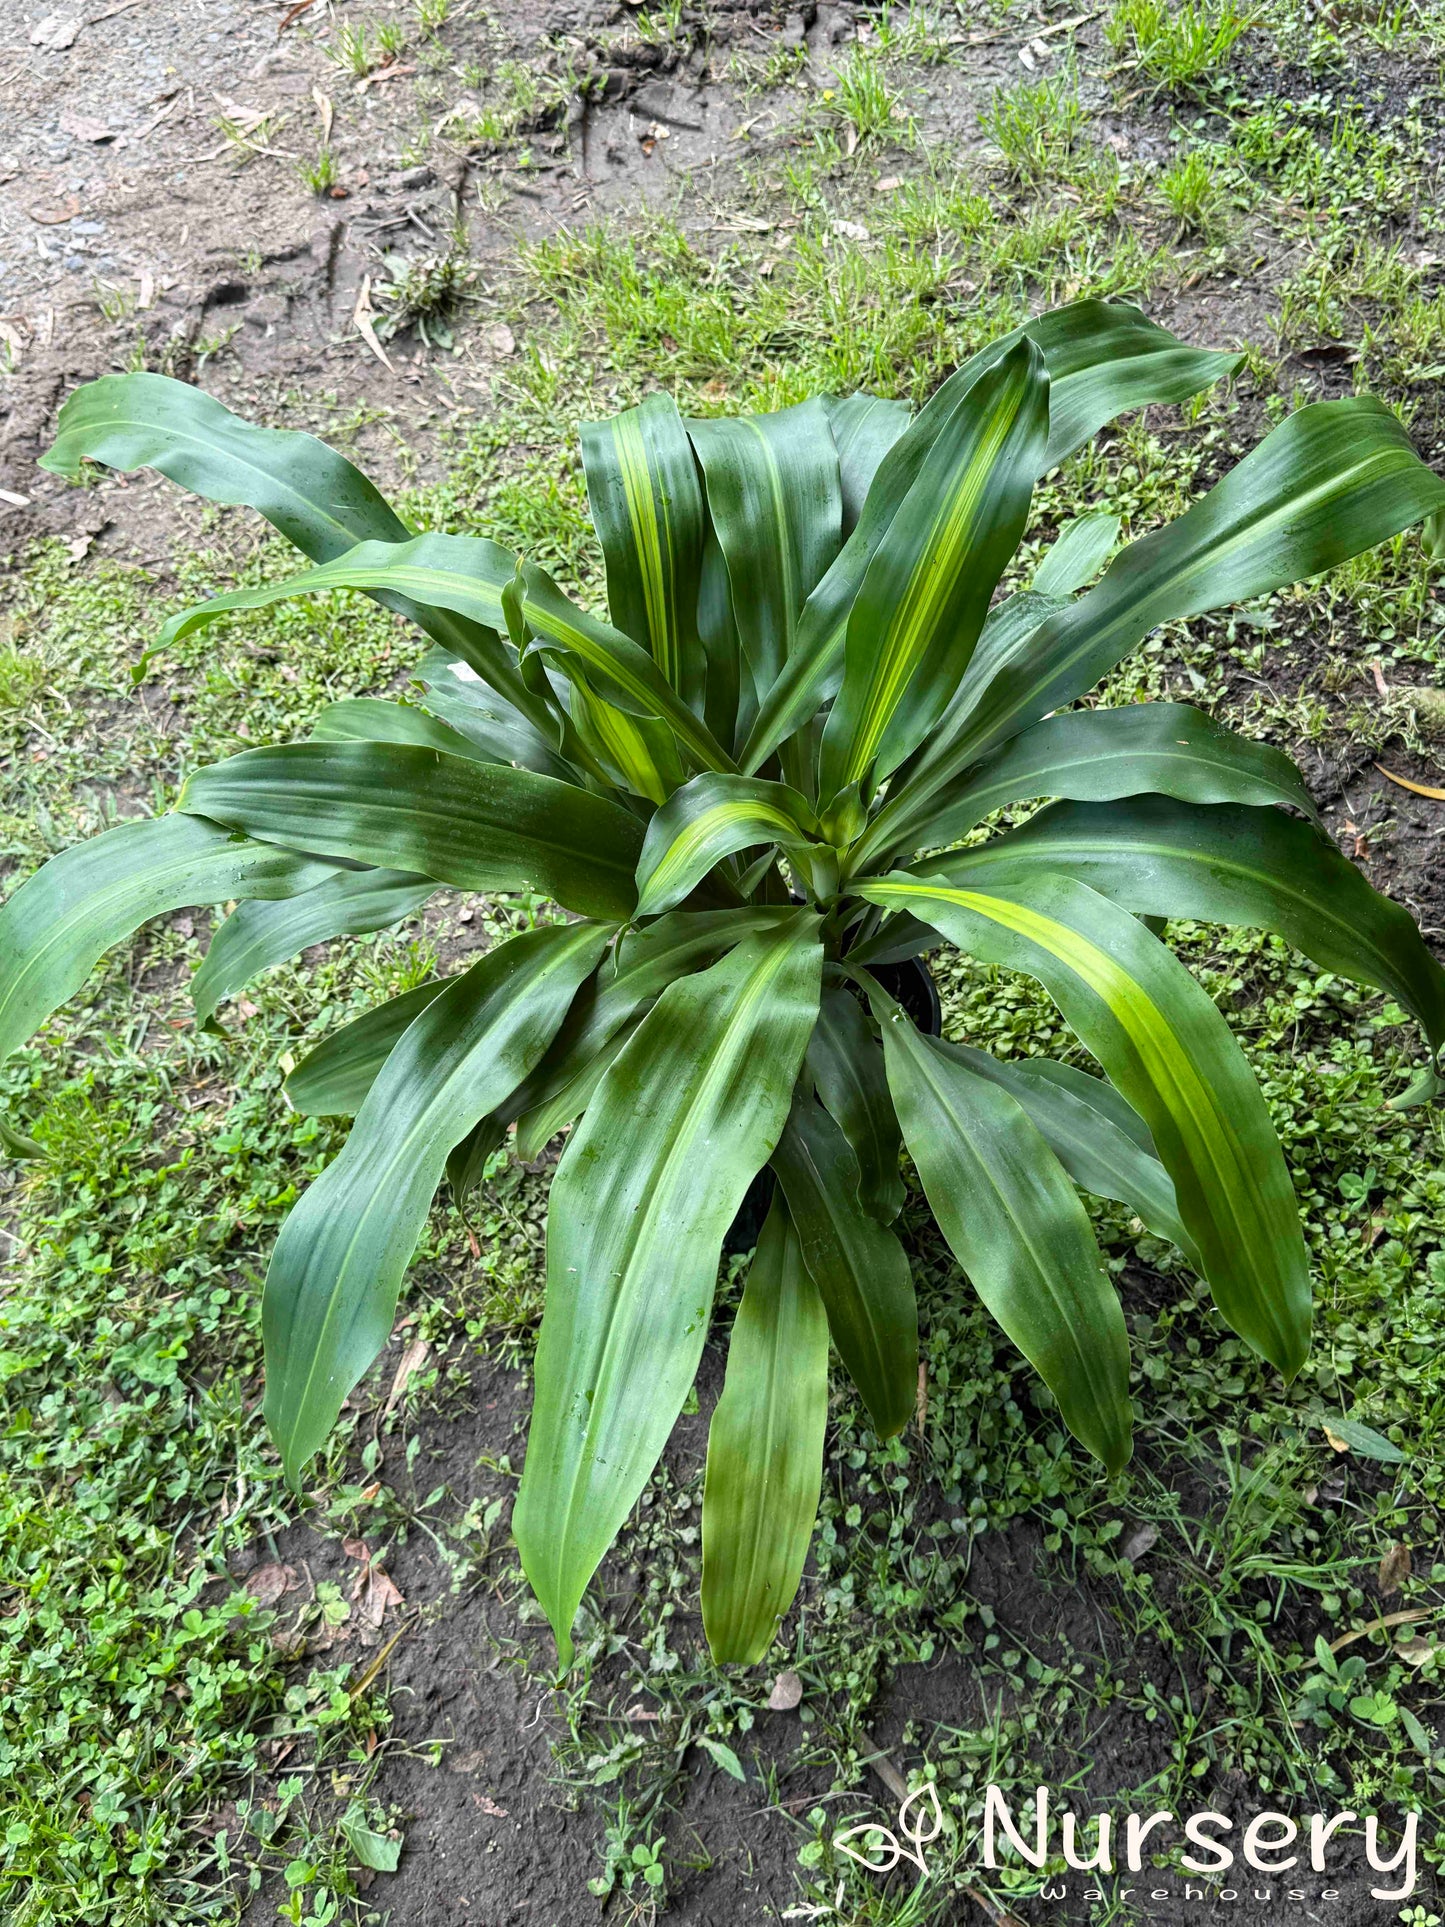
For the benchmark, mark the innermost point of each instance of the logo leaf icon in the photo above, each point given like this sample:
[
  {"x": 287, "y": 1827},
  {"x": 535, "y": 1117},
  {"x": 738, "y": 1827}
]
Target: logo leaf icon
[
  {"x": 882, "y": 1834},
  {"x": 920, "y": 1818}
]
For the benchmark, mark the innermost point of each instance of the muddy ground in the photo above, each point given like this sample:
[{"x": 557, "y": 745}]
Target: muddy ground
[{"x": 134, "y": 226}]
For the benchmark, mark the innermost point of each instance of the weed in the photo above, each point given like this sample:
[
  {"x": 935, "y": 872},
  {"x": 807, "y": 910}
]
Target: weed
[
  {"x": 320, "y": 175},
  {"x": 1194, "y": 191},
  {"x": 422, "y": 290},
  {"x": 1176, "y": 44},
  {"x": 867, "y": 100},
  {"x": 1035, "y": 127}
]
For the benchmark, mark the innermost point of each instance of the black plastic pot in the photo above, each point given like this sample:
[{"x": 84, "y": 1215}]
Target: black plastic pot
[{"x": 909, "y": 984}]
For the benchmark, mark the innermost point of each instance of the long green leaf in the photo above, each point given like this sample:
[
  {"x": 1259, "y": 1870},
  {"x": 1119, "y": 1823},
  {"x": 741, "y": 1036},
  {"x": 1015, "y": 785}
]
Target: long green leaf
[
  {"x": 638, "y": 752},
  {"x": 1077, "y": 554},
  {"x": 1094, "y": 755},
  {"x": 649, "y": 1182},
  {"x": 1103, "y": 359},
  {"x": 933, "y": 770},
  {"x": 1172, "y": 1056},
  {"x": 922, "y": 602},
  {"x": 477, "y": 826},
  {"x": 58, "y": 925},
  {"x": 374, "y": 719},
  {"x": 1101, "y": 1141},
  {"x": 258, "y": 935},
  {"x": 467, "y": 1161},
  {"x": 312, "y": 495},
  {"x": 646, "y": 502},
  {"x": 845, "y": 1059},
  {"x": 864, "y": 428},
  {"x": 1224, "y": 864},
  {"x": 764, "y": 1450},
  {"x": 562, "y": 1099},
  {"x": 859, "y": 1267},
  {"x": 645, "y": 962},
  {"x": 1015, "y": 1224},
  {"x": 333, "y": 1079},
  {"x": 467, "y": 574},
  {"x": 708, "y": 819},
  {"x": 458, "y": 695},
  {"x": 1330, "y": 482},
  {"x": 774, "y": 497},
  {"x": 334, "y": 1276}
]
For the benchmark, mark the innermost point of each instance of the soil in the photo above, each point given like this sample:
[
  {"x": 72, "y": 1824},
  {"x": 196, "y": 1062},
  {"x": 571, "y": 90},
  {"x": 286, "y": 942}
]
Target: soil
[{"x": 126, "y": 215}]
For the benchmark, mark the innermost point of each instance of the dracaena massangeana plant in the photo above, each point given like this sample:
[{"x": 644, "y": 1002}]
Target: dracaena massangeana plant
[{"x": 806, "y": 682}]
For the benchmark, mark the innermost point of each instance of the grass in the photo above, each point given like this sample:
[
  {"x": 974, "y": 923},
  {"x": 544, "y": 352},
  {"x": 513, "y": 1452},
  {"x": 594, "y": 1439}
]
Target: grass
[
  {"x": 166, "y": 1741},
  {"x": 1176, "y": 44}
]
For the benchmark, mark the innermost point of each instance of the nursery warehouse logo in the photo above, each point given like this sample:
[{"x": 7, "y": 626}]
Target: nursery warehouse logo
[{"x": 1269, "y": 1856}]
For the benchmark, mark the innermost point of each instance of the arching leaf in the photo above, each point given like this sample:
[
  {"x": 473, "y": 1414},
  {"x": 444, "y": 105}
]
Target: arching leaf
[
  {"x": 1168, "y": 749},
  {"x": 259, "y": 934},
  {"x": 60, "y": 922},
  {"x": 649, "y": 1182},
  {"x": 764, "y": 1450},
  {"x": 859, "y": 1267},
  {"x": 478, "y": 826},
  {"x": 1173, "y": 1058},
  {"x": 923, "y": 599},
  {"x": 646, "y": 502},
  {"x": 333, "y": 1079},
  {"x": 1224, "y": 864},
  {"x": 1330, "y": 482},
  {"x": 467, "y": 574},
  {"x": 710, "y": 818},
  {"x": 1015, "y": 1224},
  {"x": 337, "y": 1267},
  {"x": 845, "y": 1059}
]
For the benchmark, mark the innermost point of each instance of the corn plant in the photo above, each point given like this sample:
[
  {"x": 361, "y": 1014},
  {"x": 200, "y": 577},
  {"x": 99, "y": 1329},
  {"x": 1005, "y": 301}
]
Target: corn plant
[{"x": 764, "y": 780}]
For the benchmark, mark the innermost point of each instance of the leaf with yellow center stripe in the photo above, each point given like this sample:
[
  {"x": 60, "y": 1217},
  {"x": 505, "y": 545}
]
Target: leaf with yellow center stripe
[
  {"x": 712, "y": 817},
  {"x": 774, "y": 496},
  {"x": 647, "y": 507},
  {"x": 467, "y": 574},
  {"x": 1172, "y": 1056},
  {"x": 926, "y": 592},
  {"x": 651, "y": 1179},
  {"x": 1103, "y": 358}
]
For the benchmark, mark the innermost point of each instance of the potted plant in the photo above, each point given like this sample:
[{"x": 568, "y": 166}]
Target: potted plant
[{"x": 808, "y": 683}]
